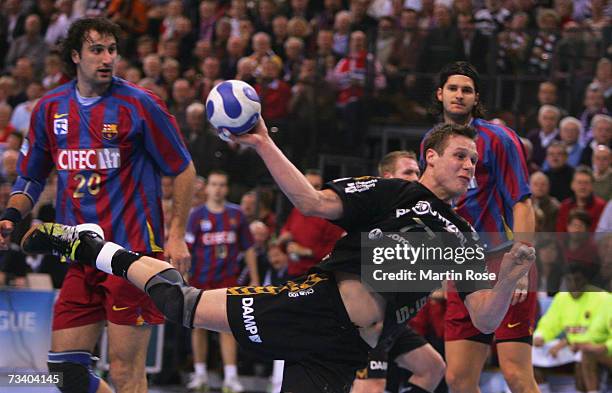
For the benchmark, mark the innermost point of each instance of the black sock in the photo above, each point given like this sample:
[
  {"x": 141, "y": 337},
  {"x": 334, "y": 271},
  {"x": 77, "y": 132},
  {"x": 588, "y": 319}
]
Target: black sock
[
  {"x": 408, "y": 387},
  {"x": 122, "y": 260}
]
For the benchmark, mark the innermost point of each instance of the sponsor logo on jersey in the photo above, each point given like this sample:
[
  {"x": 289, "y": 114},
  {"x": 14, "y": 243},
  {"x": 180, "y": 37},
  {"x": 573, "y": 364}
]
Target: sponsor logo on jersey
[
  {"x": 378, "y": 365},
  {"x": 249, "y": 320},
  {"x": 109, "y": 131},
  {"x": 205, "y": 225},
  {"x": 60, "y": 126},
  {"x": 304, "y": 292},
  {"x": 360, "y": 186},
  {"x": 215, "y": 238},
  {"x": 25, "y": 147},
  {"x": 88, "y": 159},
  {"x": 375, "y": 234}
]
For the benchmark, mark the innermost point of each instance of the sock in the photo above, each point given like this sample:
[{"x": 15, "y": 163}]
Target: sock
[
  {"x": 200, "y": 368},
  {"x": 114, "y": 259},
  {"x": 277, "y": 371},
  {"x": 408, "y": 387},
  {"x": 230, "y": 371}
]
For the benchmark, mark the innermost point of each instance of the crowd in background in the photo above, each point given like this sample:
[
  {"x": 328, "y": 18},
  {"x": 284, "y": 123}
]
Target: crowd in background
[{"x": 326, "y": 71}]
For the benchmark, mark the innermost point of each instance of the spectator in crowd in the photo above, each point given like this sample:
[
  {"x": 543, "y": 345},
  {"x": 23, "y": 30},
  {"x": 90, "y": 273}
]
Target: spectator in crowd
[
  {"x": 245, "y": 70},
  {"x": 54, "y": 75},
  {"x": 63, "y": 16},
  {"x": 361, "y": 21},
  {"x": 324, "y": 55},
  {"x": 275, "y": 95},
  {"x": 475, "y": 43},
  {"x": 9, "y": 165},
  {"x": 256, "y": 255},
  {"x": 578, "y": 244},
  {"x": 385, "y": 38},
  {"x": 171, "y": 71},
  {"x": 266, "y": 9},
  {"x": 277, "y": 272},
  {"x": 602, "y": 172},
  {"x": 492, "y": 18},
  {"x": 7, "y": 90},
  {"x": 443, "y": 43},
  {"x": 342, "y": 33},
  {"x": 542, "y": 137},
  {"x": 351, "y": 79},
  {"x": 559, "y": 173},
  {"x": 551, "y": 265},
  {"x": 6, "y": 128},
  {"x": 223, "y": 31},
  {"x": 596, "y": 347},
  {"x": 399, "y": 164},
  {"x": 22, "y": 113},
  {"x": 571, "y": 313},
  {"x": 547, "y": 95},
  {"x": 602, "y": 135},
  {"x": 603, "y": 80},
  {"x": 23, "y": 74},
  {"x": 594, "y": 104},
  {"x": 546, "y": 207},
  {"x": 181, "y": 97},
  {"x": 512, "y": 45},
  {"x": 256, "y": 205},
  {"x": 540, "y": 55},
  {"x": 217, "y": 233},
  {"x": 262, "y": 49},
  {"x": 234, "y": 50},
  {"x": 294, "y": 55},
  {"x": 583, "y": 198},
  {"x": 152, "y": 67},
  {"x": 308, "y": 239},
  {"x": 280, "y": 32},
  {"x": 30, "y": 45},
  {"x": 570, "y": 132},
  {"x": 575, "y": 55}
]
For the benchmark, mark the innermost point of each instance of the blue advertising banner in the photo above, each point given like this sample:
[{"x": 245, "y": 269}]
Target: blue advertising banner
[{"x": 25, "y": 328}]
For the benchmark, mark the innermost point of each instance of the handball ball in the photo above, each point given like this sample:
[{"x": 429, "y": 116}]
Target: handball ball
[{"x": 233, "y": 107}]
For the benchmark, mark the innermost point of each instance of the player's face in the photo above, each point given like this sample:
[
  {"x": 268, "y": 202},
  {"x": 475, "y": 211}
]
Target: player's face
[
  {"x": 97, "y": 58},
  {"x": 216, "y": 187},
  {"x": 454, "y": 169},
  {"x": 407, "y": 169},
  {"x": 458, "y": 97}
]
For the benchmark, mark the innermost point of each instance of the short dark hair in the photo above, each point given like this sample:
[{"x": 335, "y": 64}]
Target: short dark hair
[
  {"x": 458, "y": 68},
  {"x": 217, "y": 172},
  {"x": 313, "y": 172},
  {"x": 77, "y": 34},
  {"x": 438, "y": 137},
  {"x": 582, "y": 216},
  {"x": 585, "y": 170},
  {"x": 387, "y": 163}
]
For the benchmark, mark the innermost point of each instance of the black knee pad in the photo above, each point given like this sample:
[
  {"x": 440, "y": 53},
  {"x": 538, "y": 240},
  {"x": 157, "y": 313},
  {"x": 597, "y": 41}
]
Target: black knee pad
[
  {"x": 172, "y": 297},
  {"x": 75, "y": 369}
]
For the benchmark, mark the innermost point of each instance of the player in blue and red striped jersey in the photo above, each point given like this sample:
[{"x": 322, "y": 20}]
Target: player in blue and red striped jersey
[
  {"x": 110, "y": 143},
  {"x": 217, "y": 232},
  {"x": 496, "y": 204}
]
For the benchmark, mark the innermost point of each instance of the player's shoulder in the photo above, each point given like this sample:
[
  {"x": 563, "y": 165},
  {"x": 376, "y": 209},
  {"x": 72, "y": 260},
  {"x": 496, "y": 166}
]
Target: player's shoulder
[
  {"x": 493, "y": 129},
  {"x": 123, "y": 88}
]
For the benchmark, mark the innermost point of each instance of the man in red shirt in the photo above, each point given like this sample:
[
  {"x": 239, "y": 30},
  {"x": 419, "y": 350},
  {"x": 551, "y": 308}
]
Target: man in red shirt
[
  {"x": 308, "y": 239},
  {"x": 582, "y": 186}
]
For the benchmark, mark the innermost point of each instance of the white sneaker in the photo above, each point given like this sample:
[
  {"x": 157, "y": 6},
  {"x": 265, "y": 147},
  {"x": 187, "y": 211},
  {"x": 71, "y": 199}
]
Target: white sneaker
[
  {"x": 198, "y": 383},
  {"x": 232, "y": 386}
]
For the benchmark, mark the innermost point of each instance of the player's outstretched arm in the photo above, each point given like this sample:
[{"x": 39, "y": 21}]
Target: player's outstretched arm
[
  {"x": 488, "y": 307},
  {"x": 301, "y": 193}
]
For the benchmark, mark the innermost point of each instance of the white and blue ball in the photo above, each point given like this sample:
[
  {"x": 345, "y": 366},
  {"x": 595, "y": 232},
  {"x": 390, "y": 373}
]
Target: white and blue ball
[{"x": 233, "y": 107}]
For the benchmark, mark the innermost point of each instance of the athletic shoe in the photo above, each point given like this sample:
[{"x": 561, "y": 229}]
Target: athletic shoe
[
  {"x": 232, "y": 386},
  {"x": 198, "y": 383},
  {"x": 59, "y": 239}
]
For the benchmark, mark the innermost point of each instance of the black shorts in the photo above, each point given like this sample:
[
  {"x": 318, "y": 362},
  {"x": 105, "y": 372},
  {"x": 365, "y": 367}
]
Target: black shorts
[
  {"x": 305, "y": 323},
  {"x": 407, "y": 341}
]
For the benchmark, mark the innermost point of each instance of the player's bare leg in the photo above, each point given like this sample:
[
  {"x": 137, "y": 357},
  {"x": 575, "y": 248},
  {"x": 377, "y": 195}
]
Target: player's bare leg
[
  {"x": 127, "y": 355},
  {"x": 516, "y": 365},
  {"x": 164, "y": 284},
  {"x": 463, "y": 376}
]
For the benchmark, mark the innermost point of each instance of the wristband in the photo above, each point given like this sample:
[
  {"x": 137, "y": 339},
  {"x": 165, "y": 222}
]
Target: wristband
[{"x": 11, "y": 214}]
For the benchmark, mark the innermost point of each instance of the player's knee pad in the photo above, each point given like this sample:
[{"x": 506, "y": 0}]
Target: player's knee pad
[
  {"x": 172, "y": 297},
  {"x": 76, "y": 372}
]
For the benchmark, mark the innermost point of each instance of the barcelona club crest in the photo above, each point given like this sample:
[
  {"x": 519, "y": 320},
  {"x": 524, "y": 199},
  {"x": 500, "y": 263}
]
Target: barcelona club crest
[{"x": 109, "y": 131}]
